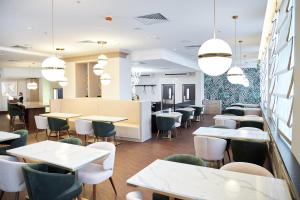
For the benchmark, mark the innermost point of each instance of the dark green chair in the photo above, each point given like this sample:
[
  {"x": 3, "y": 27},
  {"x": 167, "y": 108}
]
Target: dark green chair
[
  {"x": 57, "y": 126},
  {"x": 251, "y": 152},
  {"x": 180, "y": 158},
  {"x": 237, "y": 105},
  {"x": 71, "y": 140},
  {"x": 19, "y": 142},
  {"x": 234, "y": 112},
  {"x": 104, "y": 130},
  {"x": 197, "y": 112},
  {"x": 42, "y": 185},
  {"x": 185, "y": 119},
  {"x": 164, "y": 124},
  {"x": 228, "y": 141},
  {"x": 254, "y": 124},
  {"x": 15, "y": 110}
]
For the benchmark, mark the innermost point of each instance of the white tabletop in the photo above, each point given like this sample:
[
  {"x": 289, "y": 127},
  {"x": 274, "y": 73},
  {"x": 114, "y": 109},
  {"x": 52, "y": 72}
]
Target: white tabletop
[
  {"x": 4, "y": 136},
  {"x": 240, "y": 118},
  {"x": 193, "y": 182},
  {"x": 100, "y": 118},
  {"x": 190, "y": 109},
  {"x": 60, "y": 115},
  {"x": 247, "y": 105},
  {"x": 247, "y": 135},
  {"x": 244, "y": 108},
  {"x": 171, "y": 114},
  {"x": 63, "y": 155}
]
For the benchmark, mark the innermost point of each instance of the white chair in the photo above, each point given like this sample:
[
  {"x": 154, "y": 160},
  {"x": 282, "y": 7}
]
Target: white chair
[
  {"x": 135, "y": 195},
  {"x": 99, "y": 171},
  {"x": 11, "y": 176},
  {"x": 250, "y": 129},
  {"x": 84, "y": 127},
  {"x": 227, "y": 122},
  {"x": 41, "y": 124},
  {"x": 210, "y": 149},
  {"x": 178, "y": 121},
  {"x": 247, "y": 168}
]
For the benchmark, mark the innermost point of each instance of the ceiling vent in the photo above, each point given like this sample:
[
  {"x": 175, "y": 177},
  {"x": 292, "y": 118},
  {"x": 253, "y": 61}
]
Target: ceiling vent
[
  {"x": 20, "y": 47},
  {"x": 196, "y": 46},
  {"x": 150, "y": 19},
  {"x": 180, "y": 74}
]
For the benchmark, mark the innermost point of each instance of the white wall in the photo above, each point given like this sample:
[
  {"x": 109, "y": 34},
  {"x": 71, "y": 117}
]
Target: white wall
[
  {"x": 154, "y": 94},
  {"x": 70, "y": 73}
]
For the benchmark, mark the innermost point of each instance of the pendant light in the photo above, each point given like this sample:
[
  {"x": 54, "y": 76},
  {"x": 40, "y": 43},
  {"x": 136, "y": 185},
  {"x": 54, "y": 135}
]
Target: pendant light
[
  {"x": 243, "y": 80},
  {"x": 63, "y": 82},
  {"x": 98, "y": 68},
  {"x": 31, "y": 84},
  {"x": 53, "y": 68},
  {"x": 214, "y": 56},
  {"x": 105, "y": 79}
]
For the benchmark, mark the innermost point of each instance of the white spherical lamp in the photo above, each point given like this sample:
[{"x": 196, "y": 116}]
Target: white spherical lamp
[
  {"x": 102, "y": 60},
  {"x": 105, "y": 79},
  {"x": 235, "y": 74},
  {"x": 214, "y": 57},
  {"x": 53, "y": 68},
  {"x": 32, "y": 85},
  {"x": 98, "y": 69},
  {"x": 245, "y": 82},
  {"x": 63, "y": 82}
]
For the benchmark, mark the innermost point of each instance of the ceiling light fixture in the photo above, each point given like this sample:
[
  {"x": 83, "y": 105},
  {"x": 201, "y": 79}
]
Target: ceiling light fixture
[
  {"x": 53, "y": 68},
  {"x": 31, "y": 84},
  {"x": 102, "y": 61},
  {"x": 105, "y": 79},
  {"x": 214, "y": 56},
  {"x": 63, "y": 82},
  {"x": 235, "y": 73}
]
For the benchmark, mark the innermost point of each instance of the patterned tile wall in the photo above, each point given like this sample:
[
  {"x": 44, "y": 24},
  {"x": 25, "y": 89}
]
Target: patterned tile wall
[{"x": 219, "y": 88}]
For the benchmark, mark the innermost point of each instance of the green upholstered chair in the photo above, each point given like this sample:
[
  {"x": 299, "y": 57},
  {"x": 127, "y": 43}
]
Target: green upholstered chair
[
  {"x": 254, "y": 124},
  {"x": 42, "y": 185},
  {"x": 14, "y": 110},
  {"x": 234, "y": 112},
  {"x": 197, "y": 112},
  {"x": 57, "y": 126},
  {"x": 228, "y": 140},
  {"x": 164, "y": 124},
  {"x": 71, "y": 140},
  {"x": 251, "y": 152},
  {"x": 185, "y": 119},
  {"x": 104, "y": 130},
  {"x": 19, "y": 142},
  {"x": 180, "y": 158}
]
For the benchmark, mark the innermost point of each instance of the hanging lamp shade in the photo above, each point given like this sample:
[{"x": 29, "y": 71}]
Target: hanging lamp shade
[
  {"x": 235, "y": 75},
  {"x": 63, "y": 82},
  {"x": 98, "y": 69},
  {"x": 53, "y": 68},
  {"x": 245, "y": 82},
  {"x": 32, "y": 85},
  {"x": 105, "y": 79},
  {"x": 102, "y": 60}
]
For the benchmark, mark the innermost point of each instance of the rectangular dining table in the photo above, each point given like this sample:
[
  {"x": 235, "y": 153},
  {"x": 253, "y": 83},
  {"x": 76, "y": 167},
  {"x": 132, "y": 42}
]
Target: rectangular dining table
[
  {"x": 66, "y": 156},
  {"x": 5, "y": 136},
  {"x": 185, "y": 181},
  {"x": 235, "y": 134},
  {"x": 60, "y": 115},
  {"x": 240, "y": 118},
  {"x": 101, "y": 118}
]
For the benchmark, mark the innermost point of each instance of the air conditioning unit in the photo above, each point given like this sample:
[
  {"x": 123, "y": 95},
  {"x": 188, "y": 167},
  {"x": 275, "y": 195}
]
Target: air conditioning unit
[{"x": 180, "y": 74}]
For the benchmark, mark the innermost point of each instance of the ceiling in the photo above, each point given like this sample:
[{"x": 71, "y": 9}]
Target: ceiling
[{"x": 190, "y": 23}]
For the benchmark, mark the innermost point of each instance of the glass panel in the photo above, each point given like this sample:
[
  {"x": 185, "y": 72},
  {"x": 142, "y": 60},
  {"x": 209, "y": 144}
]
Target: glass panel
[
  {"x": 284, "y": 84},
  {"x": 284, "y": 58}
]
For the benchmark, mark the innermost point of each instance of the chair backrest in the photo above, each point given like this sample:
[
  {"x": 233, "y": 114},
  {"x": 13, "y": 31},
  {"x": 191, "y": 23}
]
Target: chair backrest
[
  {"x": 55, "y": 123},
  {"x": 71, "y": 140},
  {"x": 108, "y": 163},
  {"x": 209, "y": 148},
  {"x": 197, "y": 111},
  {"x": 186, "y": 159},
  {"x": 165, "y": 123},
  {"x": 11, "y": 174},
  {"x": 229, "y": 123},
  {"x": 254, "y": 124},
  {"x": 185, "y": 115},
  {"x": 21, "y": 141},
  {"x": 237, "y": 105},
  {"x": 84, "y": 127},
  {"x": 15, "y": 110},
  {"x": 41, "y": 122},
  {"x": 247, "y": 168},
  {"x": 250, "y": 129},
  {"x": 103, "y": 129},
  {"x": 251, "y": 152}
]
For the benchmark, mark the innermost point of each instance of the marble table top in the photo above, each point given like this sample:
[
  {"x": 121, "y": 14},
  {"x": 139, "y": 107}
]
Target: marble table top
[
  {"x": 240, "y": 118},
  {"x": 190, "y": 109},
  {"x": 249, "y": 105},
  {"x": 101, "y": 118},
  {"x": 245, "y": 108},
  {"x": 63, "y": 155},
  {"x": 4, "y": 136},
  {"x": 185, "y": 181},
  {"x": 60, "y": 115},
  {"x": 247, "y": 135}
]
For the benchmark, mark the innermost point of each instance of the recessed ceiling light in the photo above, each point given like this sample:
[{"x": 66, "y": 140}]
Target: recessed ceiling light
[{"x": 29, "y": 28}]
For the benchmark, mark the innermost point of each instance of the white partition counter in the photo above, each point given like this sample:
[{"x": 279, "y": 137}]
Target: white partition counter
[
  {"x": 247, "y": 135},
  {"x": 100, "y": 118},
  {"x": 248, "y": 111},
  {"x": 185, "y": 181}
]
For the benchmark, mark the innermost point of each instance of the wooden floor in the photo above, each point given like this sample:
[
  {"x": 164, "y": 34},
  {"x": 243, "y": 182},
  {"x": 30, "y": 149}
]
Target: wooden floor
[{"x": 130, "y": 158}]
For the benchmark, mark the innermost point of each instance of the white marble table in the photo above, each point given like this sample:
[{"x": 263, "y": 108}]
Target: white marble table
[
  {"x": 63, "y": 155},
  {"x": 236, "y": 134},
  {"x": 249, "y": 105},
  {"x": 247, "y": 111},
  {"x": 240, "y": 118},
  {"x": 171, "y": 114},
  {"x": 193, "y": 182},
  {"x": 190, "y": 109},
  {"x": 4, "y": 136},
  {"x": 60, "y": 115},
  {"x": 101, "y": 118}
]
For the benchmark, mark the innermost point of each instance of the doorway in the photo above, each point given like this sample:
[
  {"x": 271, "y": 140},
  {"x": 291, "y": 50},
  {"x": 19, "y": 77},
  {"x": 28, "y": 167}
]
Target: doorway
[
  {"x": 188, "y": 93},
  {"x": 168, "y": 96}
]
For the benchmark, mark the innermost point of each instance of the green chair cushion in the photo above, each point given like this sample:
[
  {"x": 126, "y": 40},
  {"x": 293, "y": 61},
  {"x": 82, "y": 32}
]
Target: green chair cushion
[
  {"x": 103, "y": 129},
  {"x": 71, "y": 140}
]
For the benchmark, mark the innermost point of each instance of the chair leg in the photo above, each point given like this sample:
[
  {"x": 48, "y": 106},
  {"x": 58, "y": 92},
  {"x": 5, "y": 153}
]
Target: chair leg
[
  {"x": 113, "y": 185},
  {"x": 228, "y": 153},
  {"x": 223, "y": 161},
  {"x": 36, "y": 134},
  {"x": 94, "y": 192},
  {"x": 68, "y": 133},
  {"x": 47, "y": 134},
  {"x": 157, "y": 135},
  {"x": 17, "y": 196},
  {"x": 57, "y": 135},
  {"x": 1, "y": 195}
]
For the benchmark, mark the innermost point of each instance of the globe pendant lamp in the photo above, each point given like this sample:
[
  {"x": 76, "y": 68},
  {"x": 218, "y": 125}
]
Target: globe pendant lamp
[
  {"x": 245, "y": 82},
  {"x": 235, "y": 73},
  {"x": 98, "y": 68},
  {"x": 214, "y": 56},
  {"x": 53, "y": 68},
  {"x": 105, "y": 79},
  {"x": 63, "y": 82},
  {"x": 32, "y": 85}
]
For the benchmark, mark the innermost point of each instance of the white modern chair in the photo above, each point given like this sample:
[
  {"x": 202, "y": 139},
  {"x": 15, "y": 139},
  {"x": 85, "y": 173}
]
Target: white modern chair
[
  {"x": 41, "y": 124},
  {"x": 250, "y": 129},
  {"x": 247, "y": 168},
  {"x": 11, "y": 176},
  {"x": 227, "y": 122},
  {"x": 135, "y": 195},
  {"x": 84, "y": 127},
  {"x": 210, "y": 149},
  {"x": 99, "y": 171}
]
